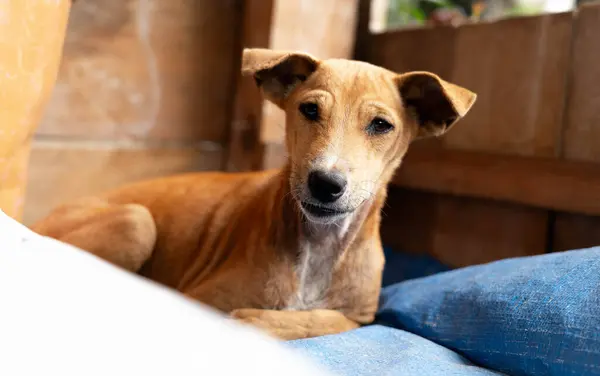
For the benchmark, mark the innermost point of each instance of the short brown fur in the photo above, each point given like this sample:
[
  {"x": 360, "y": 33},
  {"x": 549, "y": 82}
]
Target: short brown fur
[{"x": 241, "y": 242}]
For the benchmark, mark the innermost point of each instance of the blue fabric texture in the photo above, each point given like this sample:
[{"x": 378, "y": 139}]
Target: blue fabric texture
[
  {"x": 536, "y": 315},
  {"x": 404, "y": 266},
  {"x": 382, "y": 351}
]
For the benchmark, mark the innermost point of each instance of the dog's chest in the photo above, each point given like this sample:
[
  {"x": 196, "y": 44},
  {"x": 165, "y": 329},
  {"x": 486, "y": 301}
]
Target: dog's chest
[{"x": 314, "y": 272}]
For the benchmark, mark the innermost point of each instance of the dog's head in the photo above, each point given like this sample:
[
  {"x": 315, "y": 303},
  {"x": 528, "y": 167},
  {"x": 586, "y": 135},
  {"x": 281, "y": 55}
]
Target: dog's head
[{"x": 349, "y": 123}]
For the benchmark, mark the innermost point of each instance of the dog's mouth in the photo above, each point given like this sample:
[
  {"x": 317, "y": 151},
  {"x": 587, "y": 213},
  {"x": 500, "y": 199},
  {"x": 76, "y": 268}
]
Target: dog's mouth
[{"x": 323, "y": 212}]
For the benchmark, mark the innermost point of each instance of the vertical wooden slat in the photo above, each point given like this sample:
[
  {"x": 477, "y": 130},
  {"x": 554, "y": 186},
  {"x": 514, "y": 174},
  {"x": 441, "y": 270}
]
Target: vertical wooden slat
[
  {"x": 363, "y": 32},
  {"x": 520, "y": 86},
  {"x": 582, "y": 131},
  {"x": 582, "y": 128},
  {"x": 245, "y": 150}
]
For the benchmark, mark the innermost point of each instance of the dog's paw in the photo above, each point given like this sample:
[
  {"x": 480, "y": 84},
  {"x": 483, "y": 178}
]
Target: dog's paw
[
  {"x": 249, "y": 316},
  {"x": 260, "y": 319},
  {"x": 245, "y": 313}
]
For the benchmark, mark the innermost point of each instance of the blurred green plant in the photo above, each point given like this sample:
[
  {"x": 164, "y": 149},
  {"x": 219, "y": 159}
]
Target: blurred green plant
[
  {"x": 524, "y": 10},
  {"x": 419, "y": 12},
  {"x": 405, "y": 12}
]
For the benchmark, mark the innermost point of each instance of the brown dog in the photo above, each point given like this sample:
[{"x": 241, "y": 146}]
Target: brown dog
[{"x": 294, "y": 251}]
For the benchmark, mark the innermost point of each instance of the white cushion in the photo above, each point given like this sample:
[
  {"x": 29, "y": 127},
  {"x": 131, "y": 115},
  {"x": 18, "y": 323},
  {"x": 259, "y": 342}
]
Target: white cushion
[{"x": 66, "y": 312}]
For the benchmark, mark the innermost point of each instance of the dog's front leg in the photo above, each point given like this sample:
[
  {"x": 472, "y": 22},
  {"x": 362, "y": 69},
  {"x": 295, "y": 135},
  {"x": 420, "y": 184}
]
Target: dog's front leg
[{"x": 289, "y": 325}]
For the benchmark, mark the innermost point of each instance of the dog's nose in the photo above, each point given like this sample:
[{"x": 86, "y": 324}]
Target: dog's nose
[{"x": 326, "y": 186}]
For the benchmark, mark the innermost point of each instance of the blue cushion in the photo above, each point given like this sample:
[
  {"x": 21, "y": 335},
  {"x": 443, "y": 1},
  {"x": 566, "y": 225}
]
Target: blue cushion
[
  {"x": 404, "y": 266},
  {"x": 522, "y": 316},
  {"x": 379, "y": 351}
]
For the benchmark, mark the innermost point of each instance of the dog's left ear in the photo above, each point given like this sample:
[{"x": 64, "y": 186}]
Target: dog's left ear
[
  {"x": 277, "y": 73},
  {"x": 436, "y": 104}
]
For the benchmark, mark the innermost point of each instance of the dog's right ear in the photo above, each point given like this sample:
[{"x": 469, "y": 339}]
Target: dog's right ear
[{"x": 277, "y": 73}]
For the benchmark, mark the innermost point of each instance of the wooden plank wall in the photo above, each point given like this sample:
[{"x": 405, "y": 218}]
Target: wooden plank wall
[
  {"x": 145, "y": 89},
  {"x": 581, "y": 141},
  {"x": 537, "y": 99}
]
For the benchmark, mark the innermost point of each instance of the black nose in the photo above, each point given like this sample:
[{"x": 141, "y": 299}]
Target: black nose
[{"x": 326, "y": 186}]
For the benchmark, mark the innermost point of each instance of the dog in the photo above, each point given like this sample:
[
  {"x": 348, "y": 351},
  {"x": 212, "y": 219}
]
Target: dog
[{"x": 296, "y": 251}]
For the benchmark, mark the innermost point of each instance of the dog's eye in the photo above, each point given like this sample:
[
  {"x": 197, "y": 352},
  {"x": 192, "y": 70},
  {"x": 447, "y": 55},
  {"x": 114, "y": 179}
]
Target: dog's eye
[
  {"x": 379, "y": 126},
  {"x": 310, "y": 111}
]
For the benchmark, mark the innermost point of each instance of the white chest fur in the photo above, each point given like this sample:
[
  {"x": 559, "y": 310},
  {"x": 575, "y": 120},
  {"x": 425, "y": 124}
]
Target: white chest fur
[
  {"x": 315, "y": 267},
  {"x": 314, "y": 272}
]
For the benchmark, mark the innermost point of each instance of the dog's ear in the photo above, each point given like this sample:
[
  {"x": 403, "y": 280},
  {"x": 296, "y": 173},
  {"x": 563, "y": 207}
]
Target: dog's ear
[
  {"x": 277, "y": 73},
  {"x": 436, "y": 104}
]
